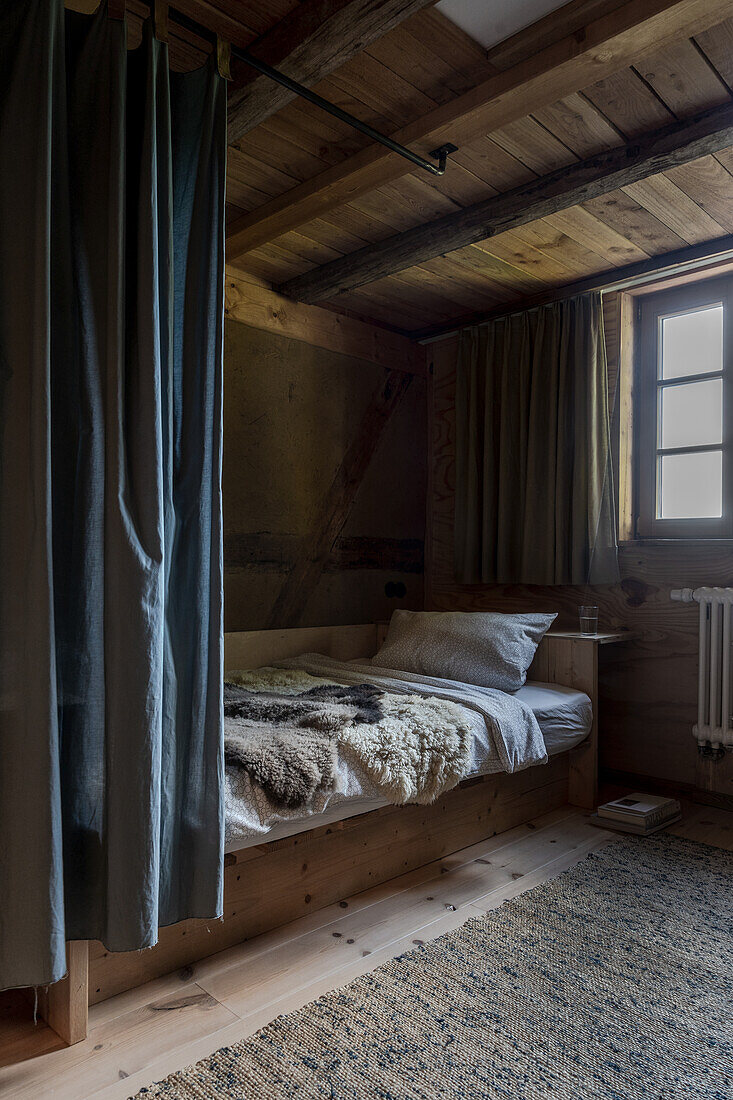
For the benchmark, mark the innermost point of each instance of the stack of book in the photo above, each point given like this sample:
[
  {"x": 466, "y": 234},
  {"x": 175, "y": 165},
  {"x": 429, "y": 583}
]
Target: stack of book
[{"x": 638, "y": 813}]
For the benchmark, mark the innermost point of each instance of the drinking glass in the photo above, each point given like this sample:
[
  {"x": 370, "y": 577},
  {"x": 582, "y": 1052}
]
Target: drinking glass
[{"x": 588, "y": 621}]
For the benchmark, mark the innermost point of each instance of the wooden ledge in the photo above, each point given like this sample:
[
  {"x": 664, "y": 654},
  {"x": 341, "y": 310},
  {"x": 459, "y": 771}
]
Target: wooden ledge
[{"x": 601, "y": 638}]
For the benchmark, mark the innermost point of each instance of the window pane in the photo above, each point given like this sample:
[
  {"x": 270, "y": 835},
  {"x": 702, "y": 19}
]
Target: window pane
[
  {"x": 692, "y": 414},
  {"x": 692, "y": 343},
  {"x": 691, "y": 486}
]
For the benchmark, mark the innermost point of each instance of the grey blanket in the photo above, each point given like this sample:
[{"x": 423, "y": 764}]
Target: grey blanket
[{"x": 511, "y": 725}]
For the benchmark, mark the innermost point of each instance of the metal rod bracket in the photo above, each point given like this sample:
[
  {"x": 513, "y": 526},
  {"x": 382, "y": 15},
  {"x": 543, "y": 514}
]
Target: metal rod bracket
[{"x": 441, "y": 154}]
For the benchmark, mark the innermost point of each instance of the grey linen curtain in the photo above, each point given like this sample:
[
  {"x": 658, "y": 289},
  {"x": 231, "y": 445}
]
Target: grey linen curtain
[
  {"x": 111, "y": 314},
  {"x": 534, "y": 486}
]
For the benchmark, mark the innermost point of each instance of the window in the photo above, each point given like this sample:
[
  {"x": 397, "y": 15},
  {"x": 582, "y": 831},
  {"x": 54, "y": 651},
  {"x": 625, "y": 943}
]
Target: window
[{"x": 685, "y": 461}]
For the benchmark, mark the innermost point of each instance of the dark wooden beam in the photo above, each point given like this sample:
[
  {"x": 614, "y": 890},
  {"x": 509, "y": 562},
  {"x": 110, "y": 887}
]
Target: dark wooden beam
[
  {"x": 337, "y": 504},
  {"x": 317, "y": 37},
  {"x": 603, "y": 46},
  {"x": 263, "y": 552},
  {"x": 571, "y": 18},
  {"x": 656, "y": 152}
]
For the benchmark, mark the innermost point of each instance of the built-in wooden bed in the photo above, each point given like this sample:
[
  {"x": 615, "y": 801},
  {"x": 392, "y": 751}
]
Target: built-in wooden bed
[{"x": 269, "y": 884}]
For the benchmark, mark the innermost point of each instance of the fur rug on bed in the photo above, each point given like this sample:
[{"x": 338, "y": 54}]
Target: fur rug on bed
[
  {"x": 288, "y": 743},
  {"x": 285, "y": 732}
]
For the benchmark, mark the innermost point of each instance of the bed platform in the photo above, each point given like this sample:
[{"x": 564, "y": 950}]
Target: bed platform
[{"x": 267, "y": 884}]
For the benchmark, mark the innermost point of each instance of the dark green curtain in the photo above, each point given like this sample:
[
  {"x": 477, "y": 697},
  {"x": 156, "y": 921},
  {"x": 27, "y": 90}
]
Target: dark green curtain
[
  {"x": 111, "y": 317},
  {"x": 534, "y": 485}
]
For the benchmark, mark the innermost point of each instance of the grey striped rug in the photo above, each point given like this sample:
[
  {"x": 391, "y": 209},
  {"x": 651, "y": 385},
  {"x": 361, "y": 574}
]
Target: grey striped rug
[{"x": 613, "y": 981}]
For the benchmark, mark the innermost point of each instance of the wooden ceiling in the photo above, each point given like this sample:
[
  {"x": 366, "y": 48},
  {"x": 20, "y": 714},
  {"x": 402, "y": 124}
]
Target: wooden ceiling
[{"x": 425, "y": 63}]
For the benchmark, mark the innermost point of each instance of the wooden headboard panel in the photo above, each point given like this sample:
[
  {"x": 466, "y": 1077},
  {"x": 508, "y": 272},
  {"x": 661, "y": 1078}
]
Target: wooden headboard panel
[
  {"x": 558, "y": 659},
  {"x": 254, "y": 648}
]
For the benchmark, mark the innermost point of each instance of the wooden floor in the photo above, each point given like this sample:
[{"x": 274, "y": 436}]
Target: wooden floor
[{"x": 143, "y": 1035}]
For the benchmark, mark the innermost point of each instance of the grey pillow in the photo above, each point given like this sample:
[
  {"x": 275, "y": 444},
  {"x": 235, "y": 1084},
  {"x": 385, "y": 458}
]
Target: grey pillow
[{"x": 476, "y": 647}]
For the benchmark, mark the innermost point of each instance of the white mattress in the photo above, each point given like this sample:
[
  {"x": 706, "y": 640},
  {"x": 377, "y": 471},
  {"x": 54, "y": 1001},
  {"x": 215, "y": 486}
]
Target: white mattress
[{"x": 563, "y": 715}]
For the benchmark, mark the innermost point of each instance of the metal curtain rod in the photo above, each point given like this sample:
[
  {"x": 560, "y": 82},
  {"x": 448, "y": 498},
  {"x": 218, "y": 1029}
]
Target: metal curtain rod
[{"x": 441, "y": 154}]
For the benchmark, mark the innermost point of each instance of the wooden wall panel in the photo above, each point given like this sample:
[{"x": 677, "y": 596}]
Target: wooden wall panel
[
  {"x": 648, "y": 686},
  {"x": 324, "y": 479}
]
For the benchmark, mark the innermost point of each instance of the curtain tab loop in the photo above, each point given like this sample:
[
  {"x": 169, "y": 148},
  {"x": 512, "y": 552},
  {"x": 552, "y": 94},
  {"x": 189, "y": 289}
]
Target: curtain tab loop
[
  {"x": 224, "y": 58},
  {"x": 160, "y": 18}
]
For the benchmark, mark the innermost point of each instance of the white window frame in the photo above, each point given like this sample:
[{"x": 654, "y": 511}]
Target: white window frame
[{"x": 651, "y": 309}]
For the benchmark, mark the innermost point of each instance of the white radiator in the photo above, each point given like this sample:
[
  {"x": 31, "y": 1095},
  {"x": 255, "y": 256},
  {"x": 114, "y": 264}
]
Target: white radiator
[{"x": 714, "y": 725}]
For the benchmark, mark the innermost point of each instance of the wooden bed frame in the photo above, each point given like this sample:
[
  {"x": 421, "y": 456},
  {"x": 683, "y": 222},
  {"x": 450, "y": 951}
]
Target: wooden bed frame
[{"x": 272, "y": 883}]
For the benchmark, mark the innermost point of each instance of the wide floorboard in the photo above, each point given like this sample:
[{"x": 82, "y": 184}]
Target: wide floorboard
[{"x": 146, "y": 1033}]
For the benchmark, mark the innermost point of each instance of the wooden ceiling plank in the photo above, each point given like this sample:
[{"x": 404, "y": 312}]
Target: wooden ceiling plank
[
  {"x": 462, "y": 186},
  {"x": 323, "y": 142},
  {"x": 370, "y": 82},
  {"x": 489, "y": 278},
  {"x": 320, "y": 231},
  {"x": 253, "y": 171},
  {"x": 388, "y": 306},
  {"x": 683, "y": 79},
  {"x": 708, "y": 184},
  {"x": 707, "y": 257},
  {"x": 493, "y": 164},
  {"x": 670, "y": 205},
  {"x": 628, "y": 103},
  {"x": 317, "y": 38},
  {"x": 409, "y": 291},
  {"x": 458, "y": 73},
  {"x": 607, "y": 44},
  {"x": 403, "y": 208},
  {"x": 449, "y": 41},
  {"x": 579, "y": 125},
  {"x": 529, "y": 142},
  {"x": 465, "y": 296},
  {"x": 725, "y": 157},
  {"x": 405, "y": 296},
  {"x": 717, "y": 45},
  {"x": 489, "y": 266},
  {"x": 588, "y": 230},
  {"x": 547, "y": 197},
  {"x": 541, "y": 266},
  {"x": 621, "y": 212},
  {"x": 399, "y": 53},
  {"x": 240, "y": 199},
  {"x": 274, "y": 150},
  {"x": 436, "y": 292},
  {"x": 551, "y": 241}
]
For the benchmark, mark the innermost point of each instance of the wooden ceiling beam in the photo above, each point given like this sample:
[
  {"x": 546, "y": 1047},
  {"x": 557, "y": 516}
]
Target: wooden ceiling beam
[
  {"x": 675, "y": 144},
  {"x": 258, "y": 306},
  {"x": 602, "y": 47},
  {"x": 317, "y": 37}
]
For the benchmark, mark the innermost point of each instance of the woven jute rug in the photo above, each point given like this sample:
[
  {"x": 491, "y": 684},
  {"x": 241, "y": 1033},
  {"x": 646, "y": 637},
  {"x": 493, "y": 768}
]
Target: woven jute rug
[{"x": 613, "y": 981}]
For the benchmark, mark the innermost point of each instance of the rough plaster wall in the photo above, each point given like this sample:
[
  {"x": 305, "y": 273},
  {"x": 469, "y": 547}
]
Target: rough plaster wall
[{"x": 290, "y": 411}]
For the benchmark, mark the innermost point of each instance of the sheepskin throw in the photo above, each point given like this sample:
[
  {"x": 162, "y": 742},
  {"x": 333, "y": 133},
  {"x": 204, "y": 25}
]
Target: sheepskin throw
[
  {"x": 287, "y": 742},
  {"x": 284, "y": 730}
]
